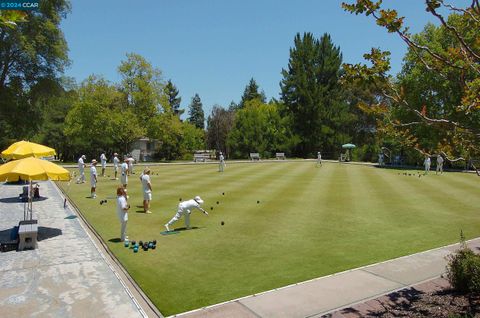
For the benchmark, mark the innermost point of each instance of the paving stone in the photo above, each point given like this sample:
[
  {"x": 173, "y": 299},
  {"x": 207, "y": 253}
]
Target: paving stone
[
  {"x": 66, "y": 275},
  {"x": 233, "y": 310}
]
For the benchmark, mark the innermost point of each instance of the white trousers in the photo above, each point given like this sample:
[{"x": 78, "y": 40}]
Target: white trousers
[
  {"x": 82, "y": 176},
  {"x": 123, "y": 230},
  {"x": 440, "y": 167},
  {"x": 427, "y": 168},
  {"x": 178, "y": 216}
]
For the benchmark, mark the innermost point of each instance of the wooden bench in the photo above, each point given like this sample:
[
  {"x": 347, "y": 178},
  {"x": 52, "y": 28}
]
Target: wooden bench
[
  {"x": 254, "y": 156},
  {"x": 200, "y": 157},
  {"x": 27, "y": 235},
  {"x": 280, "y": 155}
]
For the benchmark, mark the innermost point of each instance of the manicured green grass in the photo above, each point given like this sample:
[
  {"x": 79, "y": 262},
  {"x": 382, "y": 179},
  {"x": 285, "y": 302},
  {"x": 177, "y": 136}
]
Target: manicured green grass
[{"x": 310, "y": 222}]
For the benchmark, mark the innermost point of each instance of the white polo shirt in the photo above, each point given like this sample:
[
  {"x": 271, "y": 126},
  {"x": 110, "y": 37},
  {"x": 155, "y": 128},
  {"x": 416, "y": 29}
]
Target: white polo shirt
[
  {"x": 103, "y": 160},
  {"x": 115, "y": 162},
  {"x": 188, "y": 205},
  {"x": 121, "y": 205},
  {"x": 81, "y": 164},
  {"x": 145, "y": 182},
  {"x": 93, "y": 174}
]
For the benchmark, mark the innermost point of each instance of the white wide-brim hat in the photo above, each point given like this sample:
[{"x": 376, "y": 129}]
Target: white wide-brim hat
[{"x": 198, "y": 199}]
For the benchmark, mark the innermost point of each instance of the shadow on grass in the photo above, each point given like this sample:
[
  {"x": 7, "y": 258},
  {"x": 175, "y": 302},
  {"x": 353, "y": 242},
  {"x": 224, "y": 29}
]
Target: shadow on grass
[
  {"x": 115, "y": 240},
  {"x": 179, "y": 229},
  {"x": 391, "y": 167}
]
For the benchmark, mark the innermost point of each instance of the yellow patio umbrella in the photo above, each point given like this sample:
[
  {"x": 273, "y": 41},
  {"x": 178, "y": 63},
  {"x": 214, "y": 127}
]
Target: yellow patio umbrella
[
  {"x": 32, "y": 169},
  {"x": 24, "y": 149}
]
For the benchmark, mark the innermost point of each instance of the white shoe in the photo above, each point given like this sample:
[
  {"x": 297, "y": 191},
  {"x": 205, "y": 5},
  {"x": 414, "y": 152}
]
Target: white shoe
[{"x": 166, "y": 226}]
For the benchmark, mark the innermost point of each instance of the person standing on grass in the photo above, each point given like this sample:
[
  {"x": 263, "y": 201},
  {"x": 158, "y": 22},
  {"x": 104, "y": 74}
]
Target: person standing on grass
[
  {"x": 122, "y": 212},
  {"x": 130, "y": 164},
  {"x": 103, "y": 161},
  {"x": 222, "y": 163},
  {"x": 116, "y": 161},
  {"x": 184, "y": 209},
  {"x": 93, "y": 179},
  {"x": 319, "y": 159},
  {"x": 427, "y": 164},
  {"x": 81, "y": 169},
  {"x": 147, "y": 190},
  {"x": 124, "y": 176},
  {"x": 439, "y": 164}
]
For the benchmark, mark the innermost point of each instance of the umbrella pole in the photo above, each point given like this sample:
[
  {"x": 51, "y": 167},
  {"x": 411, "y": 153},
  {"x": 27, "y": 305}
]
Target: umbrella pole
[
  {"x": 25, "y": 211},
  {"x": 30, "y": 200}
]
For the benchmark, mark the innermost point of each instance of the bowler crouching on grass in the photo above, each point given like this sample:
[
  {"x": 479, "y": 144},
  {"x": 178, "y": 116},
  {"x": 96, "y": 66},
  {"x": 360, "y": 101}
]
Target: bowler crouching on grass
[{"x": 184, "y": 209}]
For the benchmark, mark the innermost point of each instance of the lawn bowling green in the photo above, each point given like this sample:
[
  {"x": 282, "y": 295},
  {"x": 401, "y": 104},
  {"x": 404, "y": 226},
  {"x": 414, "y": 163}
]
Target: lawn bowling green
[{"x": 309, "y": 223}]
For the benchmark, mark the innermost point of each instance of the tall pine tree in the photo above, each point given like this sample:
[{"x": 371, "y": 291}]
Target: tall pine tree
[
  {"x": 251, "y": 93},
  {"x": 312, "y": 95},
  {"x": 174, "y": 100},
  {"x": 195, "y": 112}
]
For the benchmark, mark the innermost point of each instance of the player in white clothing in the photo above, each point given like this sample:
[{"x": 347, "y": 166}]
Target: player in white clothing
[
  {"x": 130, "y": 162},
  {"x": 184, "y": 209},
  {"x": 116, "y": 161},
  {"x": 103, "y": 161},
  {"x": 427, "y": 163},
  {"x": 124, "y": 173},
  {"x": 319, "y": 159},
  {"x": 81, "y": 169},
  {"x": 222, "y": 164},
  {"x": 122, "y": 211},
  {"x": 439, "y": 164},
  {"x": 93, "y": 179},
  {"x": 147, "y": 190}
]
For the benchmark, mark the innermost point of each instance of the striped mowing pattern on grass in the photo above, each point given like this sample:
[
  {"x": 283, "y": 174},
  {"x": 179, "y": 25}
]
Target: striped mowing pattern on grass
[{"x": 311, "y": 221}]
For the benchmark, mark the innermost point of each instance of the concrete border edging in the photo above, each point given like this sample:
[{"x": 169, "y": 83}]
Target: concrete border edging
[
  {"x": 332, "y": 275},
  {"x": 113, "y": 263}
]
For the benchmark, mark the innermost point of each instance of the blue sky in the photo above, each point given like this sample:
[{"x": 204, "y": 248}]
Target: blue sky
[{"x": 214, "y": 47}]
